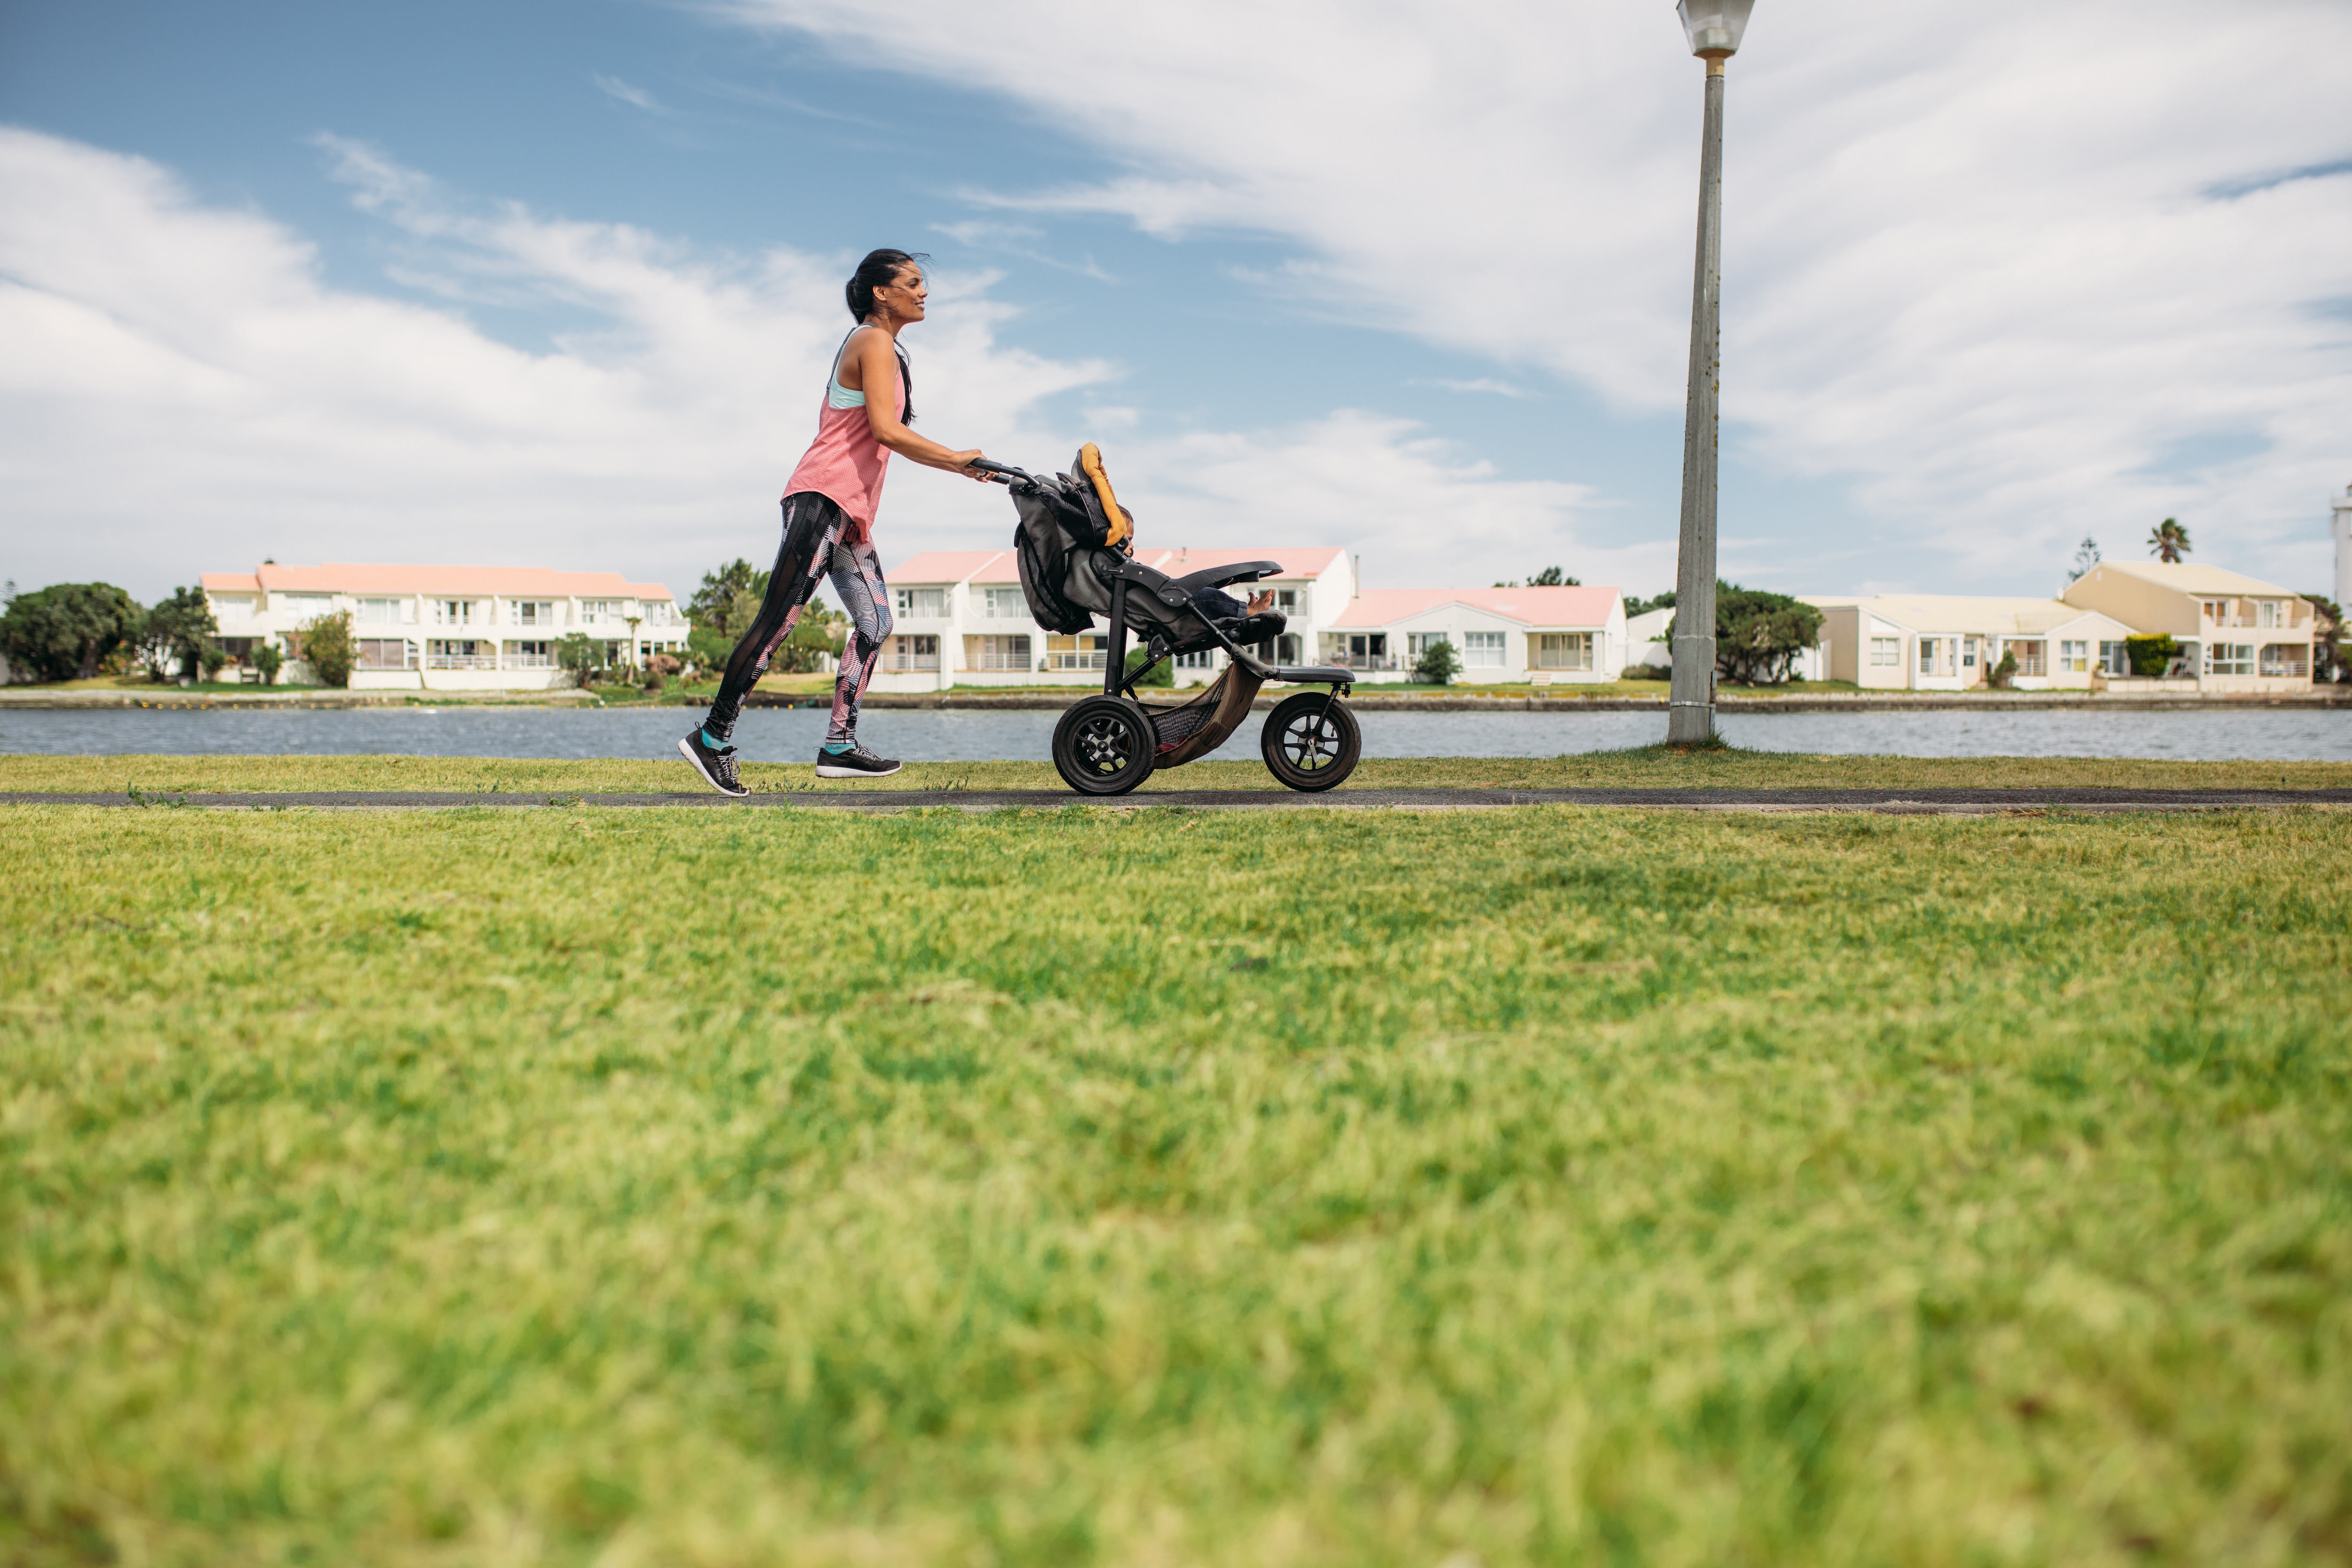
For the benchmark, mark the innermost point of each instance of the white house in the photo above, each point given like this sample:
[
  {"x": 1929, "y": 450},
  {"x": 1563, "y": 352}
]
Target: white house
[
  {"x": 1539, "y": 635},
  {"x": 961, "y": 619},
  {"x": 1948, "y": 642},
  {"x": 447, "y": 628}
]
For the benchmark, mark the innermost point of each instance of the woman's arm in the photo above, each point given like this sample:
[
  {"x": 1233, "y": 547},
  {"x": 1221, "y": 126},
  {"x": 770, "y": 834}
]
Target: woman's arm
[{"x": 876, "y": 364}]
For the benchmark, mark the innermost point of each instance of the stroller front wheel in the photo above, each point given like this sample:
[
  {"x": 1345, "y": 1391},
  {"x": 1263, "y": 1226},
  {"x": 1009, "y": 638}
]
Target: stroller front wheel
[
  {"x": 1310, "y": 741},
  {"x": 1103, "y": 745}
]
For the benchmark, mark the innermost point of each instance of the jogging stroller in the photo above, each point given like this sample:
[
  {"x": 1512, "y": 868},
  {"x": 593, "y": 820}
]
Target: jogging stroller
[{"x": 1076, "y": 545}]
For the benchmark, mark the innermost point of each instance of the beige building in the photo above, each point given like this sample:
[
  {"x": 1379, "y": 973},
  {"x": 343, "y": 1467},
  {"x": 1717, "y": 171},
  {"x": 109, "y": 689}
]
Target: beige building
[
  {"x": 1949, "y": 642},
  {"x": 447, "y": 628},
  {"x": 2236, "y": 634}
]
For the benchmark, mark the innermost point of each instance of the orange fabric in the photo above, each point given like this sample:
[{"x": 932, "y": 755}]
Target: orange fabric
[{"x": 1122, "y": 524}]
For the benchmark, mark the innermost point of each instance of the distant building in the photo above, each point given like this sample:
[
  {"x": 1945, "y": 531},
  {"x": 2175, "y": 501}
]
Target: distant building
[
  {"x": 2237, "y": 633},
  {"x": 448, "y": 628},
  {"x": 1937, "y": 641},
  {"x": 961, "y": 619},
  {"x": 1572, "y": 635}
]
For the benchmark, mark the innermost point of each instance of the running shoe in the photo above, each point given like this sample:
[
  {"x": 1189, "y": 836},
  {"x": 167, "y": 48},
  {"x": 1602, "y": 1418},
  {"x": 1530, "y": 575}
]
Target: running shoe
[
  {"x": 715, "y": 763},
  {"x": 855, "y": 763}
]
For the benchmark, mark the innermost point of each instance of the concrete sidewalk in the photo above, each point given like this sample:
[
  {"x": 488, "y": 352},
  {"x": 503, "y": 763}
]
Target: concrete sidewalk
[{"x": 1901, "y": 802}]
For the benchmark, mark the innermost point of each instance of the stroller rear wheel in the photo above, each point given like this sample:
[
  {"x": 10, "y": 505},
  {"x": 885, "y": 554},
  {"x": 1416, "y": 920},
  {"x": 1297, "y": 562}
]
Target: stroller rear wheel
[
  {"x": 1310, "y": 741},
  {"x": 1103, "y": 745}
]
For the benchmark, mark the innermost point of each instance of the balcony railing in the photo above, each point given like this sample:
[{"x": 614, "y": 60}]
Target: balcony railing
[
  {"x": 1099, "y": 660},
  {"x": 1365, "y": 661},
  {"x": 527, "y": 662},
  {"x": 461, "y": 661}
]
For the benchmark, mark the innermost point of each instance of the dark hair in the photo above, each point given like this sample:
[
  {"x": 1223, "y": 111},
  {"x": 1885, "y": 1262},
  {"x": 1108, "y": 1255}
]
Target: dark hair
[{"x": 879, "y": 269}]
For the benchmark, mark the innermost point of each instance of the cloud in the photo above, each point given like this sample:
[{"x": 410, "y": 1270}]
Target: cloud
[
  {"x": 182, "y": 392},
  {"x": 1981, "y": 268},
  {"x": 634, "y": 97},
  {"x": 1481, "y": 384}
]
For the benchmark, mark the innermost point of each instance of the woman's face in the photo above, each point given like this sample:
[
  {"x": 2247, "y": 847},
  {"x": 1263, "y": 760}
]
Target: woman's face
[{"x": 904, "y": 295}]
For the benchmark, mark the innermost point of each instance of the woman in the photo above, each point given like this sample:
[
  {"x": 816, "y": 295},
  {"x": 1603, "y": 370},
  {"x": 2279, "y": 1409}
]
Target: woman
[{"x": 829, "y": 524}]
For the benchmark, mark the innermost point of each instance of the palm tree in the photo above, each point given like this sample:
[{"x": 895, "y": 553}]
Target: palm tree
[{"x": 2168, "y": 541}]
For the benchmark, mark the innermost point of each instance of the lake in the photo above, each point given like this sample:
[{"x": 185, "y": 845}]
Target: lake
[{"x": 792, "y": 734}]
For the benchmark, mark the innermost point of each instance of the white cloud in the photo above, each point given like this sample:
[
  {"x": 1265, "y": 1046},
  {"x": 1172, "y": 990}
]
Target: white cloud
[
  {"x": 184, "y": 393},
  {"x": 1985, "y": 265},
  {"x": 634, "y": 97}
]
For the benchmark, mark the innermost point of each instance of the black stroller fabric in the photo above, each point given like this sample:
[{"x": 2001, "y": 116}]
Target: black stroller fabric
[{"x": 1066, "y": 566}]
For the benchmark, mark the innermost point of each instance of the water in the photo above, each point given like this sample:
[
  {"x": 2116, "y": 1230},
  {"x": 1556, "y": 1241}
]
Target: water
[{"x": 792, "y": 734}]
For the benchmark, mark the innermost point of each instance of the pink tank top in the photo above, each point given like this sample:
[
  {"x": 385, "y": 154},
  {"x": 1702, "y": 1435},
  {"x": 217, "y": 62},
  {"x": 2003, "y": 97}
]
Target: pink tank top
[{"x": 844, "y": 462}]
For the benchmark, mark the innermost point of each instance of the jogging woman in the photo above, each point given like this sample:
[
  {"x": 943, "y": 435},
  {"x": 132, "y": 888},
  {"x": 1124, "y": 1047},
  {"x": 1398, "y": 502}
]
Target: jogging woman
[{"x": 829, "y": 524}]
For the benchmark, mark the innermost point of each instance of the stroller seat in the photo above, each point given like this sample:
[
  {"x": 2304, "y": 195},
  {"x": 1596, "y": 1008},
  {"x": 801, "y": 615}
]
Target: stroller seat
[{"x": 1201, "y": 593}]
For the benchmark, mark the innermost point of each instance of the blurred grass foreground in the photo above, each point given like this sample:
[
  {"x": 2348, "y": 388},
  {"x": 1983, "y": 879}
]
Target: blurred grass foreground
[{"x": 1166, "y": 1187}]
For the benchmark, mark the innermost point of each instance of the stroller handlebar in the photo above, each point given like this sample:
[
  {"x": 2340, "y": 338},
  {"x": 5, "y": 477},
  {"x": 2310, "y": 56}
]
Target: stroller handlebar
[{"x": 1002, "y": 473}]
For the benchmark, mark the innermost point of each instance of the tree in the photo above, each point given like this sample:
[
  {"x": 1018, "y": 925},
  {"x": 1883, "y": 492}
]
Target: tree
[
  {"x": 2168, "y": 541},
  {"x": 821, "y": 633},
  {"x": 2086, "y": 556},
  {"x": 63, "y": 631},
  {"x": 715, "y": 604},
  {"x": 2328, "y": 663},
  {"x": 1643, "y": 606},
  {"x": 2150, "y": 656},
  {"x": 1758, "y": 635},
  {"x": 581, "y": 655},
  {"x": 332, "y": 651},
  {"x": 268, "y": 660},
  {"x": 1999, "y": 676},
  {"x": 179, "y": 633},
  {"x": 1549, "y": 577},
  {"x": 1438, "y": 663}
]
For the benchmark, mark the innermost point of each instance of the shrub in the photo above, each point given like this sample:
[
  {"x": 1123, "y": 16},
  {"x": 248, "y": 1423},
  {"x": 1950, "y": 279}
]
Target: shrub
[
  {"x": 1999, "y": 676},
  {"x": 1438, "y": 666},
  {"x": 268, "y": 660},
  {"x": 1165, "y": 675},
  {"x": 581, "y": 655},
  {"x": 2150, "y": 656},
  {"x": 331, "y": 649},
  {"x": 178, "y": 633}
]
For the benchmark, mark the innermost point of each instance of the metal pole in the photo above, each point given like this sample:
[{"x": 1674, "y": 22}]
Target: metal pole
[{"x": 1690, "y": 720}]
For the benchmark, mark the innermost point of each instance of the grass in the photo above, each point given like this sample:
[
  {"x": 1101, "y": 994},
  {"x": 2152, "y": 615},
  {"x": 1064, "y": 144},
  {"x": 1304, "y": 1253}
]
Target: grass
[
  {"x": 1645, "y": 767},
  {"x": 1079, "y": 1187}
]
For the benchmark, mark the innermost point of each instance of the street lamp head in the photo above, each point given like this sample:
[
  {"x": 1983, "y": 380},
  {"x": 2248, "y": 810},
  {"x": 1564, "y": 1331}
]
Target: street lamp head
[{"x": 1714, "y": 26}]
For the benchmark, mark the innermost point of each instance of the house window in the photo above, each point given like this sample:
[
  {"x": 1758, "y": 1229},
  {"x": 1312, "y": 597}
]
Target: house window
[
  {"x": 2114, "y": 659},
  {"x": 2266, "y": 613},
  {"x": 923, "y": 603},
  {"x": 2230, "y": 659},
  {"x": 1416, "y": 643},
  {"x": 1085, "y": 651},
  {"x": 1286, "y": 601},
  {"x": 1004, "y": 604},
  {"x": 1357, "y": 650},
  {"x": 2031, "y": 657},
  {"x": 380, "y": 611},
  {"x": 904, "y": 653},
  {"x": 460, "y": 653},
  {"x": 453, "y": 613},
  {"x": 2287, "y": 659},
  {"x": 534, "y": 613},
  {"x": 1562, "y": 651},
  {"x": 529, "y": 656},
  {"x": 1885, "y": 652},
  {"x": 1968, "y": 652},
  {"x": 658, "y": 612},
  {"x": 597, "y": 611},
  {"x": 1205, "y": 659},
  {"x": 386, "y": 654},
  {"x": 1928, "y": 650},
  {"x": 2075, "y": 657},
  {"x": 305, "y": 605},
  {"x": 1482, "y": 650},
  {"x": 1004, "y": 653}
]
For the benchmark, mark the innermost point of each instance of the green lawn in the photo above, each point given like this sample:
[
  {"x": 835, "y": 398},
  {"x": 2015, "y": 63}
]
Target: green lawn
[
  {"x": 1162, "y": 1187},
  {"x": 1645, "y": 767}
]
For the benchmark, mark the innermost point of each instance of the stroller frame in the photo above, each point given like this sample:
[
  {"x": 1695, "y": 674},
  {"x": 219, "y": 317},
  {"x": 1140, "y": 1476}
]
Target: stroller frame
[{"x": 1128, "y": 576}]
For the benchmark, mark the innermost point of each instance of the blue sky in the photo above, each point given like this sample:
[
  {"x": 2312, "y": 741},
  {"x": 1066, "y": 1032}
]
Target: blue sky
[{"x": 1275, "y": 339}]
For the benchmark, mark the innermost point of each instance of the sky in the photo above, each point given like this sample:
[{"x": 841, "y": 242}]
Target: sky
[{"x": 557, "y": 284}]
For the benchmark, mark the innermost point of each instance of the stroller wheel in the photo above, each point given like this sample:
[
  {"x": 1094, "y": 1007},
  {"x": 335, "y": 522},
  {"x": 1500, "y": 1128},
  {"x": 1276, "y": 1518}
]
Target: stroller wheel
[
  {"x": 1103, "y": 745},
  {"x": 1310, "y": 741}
]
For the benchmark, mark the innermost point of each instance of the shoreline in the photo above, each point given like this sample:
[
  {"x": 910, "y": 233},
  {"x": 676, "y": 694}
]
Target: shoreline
[{"x": 1365, "y": 700}]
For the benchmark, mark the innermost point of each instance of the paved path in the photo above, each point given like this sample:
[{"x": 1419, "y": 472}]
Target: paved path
[{"x": 1903, "y": 802}]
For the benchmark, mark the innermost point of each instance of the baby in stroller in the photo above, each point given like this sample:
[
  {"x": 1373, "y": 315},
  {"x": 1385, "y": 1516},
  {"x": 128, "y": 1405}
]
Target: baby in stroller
[{"x": 1076, "y": 546}]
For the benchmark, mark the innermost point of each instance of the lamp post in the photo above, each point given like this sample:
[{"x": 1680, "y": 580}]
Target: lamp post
[{"x": 1714, "y": 27}]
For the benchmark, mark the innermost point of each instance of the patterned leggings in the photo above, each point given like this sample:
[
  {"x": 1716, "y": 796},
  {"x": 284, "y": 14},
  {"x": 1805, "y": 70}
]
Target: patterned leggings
[{"x": 812, "y": 548}]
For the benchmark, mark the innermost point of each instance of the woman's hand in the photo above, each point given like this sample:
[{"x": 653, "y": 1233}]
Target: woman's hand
[{"x": 961, "y": 462}]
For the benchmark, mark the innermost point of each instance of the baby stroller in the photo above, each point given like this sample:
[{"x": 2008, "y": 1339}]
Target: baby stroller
[{"x": 1075, "y": 544}]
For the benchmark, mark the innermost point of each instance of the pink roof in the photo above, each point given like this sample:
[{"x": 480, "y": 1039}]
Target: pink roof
[
  {"x": 993, "y": 566},
  {"x": 506, "y": 581},
  {"x": 1379, "y": 606}
]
